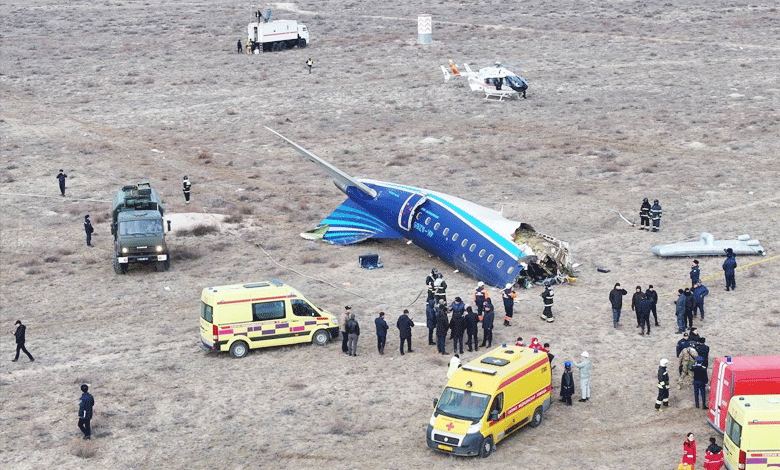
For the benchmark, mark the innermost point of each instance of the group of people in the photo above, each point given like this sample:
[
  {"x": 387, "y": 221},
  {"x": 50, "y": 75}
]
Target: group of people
[
  {"x": 642, "y": 303},
  {"x": 647, "y": 213},
  {"x": 713, "y": 458}
]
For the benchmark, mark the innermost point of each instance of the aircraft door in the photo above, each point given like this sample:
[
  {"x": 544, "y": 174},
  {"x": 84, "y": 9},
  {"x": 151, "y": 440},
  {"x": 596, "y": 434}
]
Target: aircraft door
[{"x": 409, "y": 209}]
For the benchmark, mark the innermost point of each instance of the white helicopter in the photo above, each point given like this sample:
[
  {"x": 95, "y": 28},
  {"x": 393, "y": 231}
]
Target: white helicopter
[{"x": 496, "y": 82}]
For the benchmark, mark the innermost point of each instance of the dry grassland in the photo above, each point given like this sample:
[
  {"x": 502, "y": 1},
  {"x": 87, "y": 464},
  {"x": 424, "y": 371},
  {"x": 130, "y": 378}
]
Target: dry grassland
[{"x": 675, "y": 101}]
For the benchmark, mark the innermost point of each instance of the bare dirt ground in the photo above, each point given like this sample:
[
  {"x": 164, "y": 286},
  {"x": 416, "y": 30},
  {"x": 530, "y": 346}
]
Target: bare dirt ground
[{"x": 675, "y": 101}]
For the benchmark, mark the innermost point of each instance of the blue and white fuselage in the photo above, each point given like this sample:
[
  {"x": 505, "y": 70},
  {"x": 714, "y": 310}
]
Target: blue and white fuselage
[{"x": 474, "y": 239}]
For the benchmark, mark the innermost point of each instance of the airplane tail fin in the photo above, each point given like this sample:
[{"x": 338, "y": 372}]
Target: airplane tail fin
[
  {"x": 349, "y": 223},
  {"x": 341, "y": 179}
]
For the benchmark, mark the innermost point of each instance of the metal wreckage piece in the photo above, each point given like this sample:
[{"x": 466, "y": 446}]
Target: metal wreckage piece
[{"x": 551, "y": 263}]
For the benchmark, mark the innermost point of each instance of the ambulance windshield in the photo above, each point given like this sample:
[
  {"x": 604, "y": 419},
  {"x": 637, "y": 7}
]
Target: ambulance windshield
[{"x": 463, "y": 404}]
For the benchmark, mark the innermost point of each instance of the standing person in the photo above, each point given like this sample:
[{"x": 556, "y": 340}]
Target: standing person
[
  {"x": 689, "y": 451},
  {"x": 472, "y": 328},
  {"x": 440, "y": 288},
  {"x": 509, "y": 296},
  {"x": 704, "y": 351},
  {"x": 430, "y": 319},
  {"x": 480, "y": 295},
  {"x": 429, "y": 282},
  {"x": 616, "y": 299},
  {"x": 643, "y": 310},
  {"x": 663, "y": 385},
  {"x": 567, "y": 384},
  {"x": 353, "y": 330},
  {"x": 453, "y": 366},
  {"x": 644, "y": 215},
  {"x": 457, "y": 306},
  {"x": 186, "y": 185},
  {"x": 19, "y": 332},
  {"x": 689, "y": 303},
  {"x": 61, "y": 177},
  {"x": 550, "y": 356},
  {"x": 457, "y": 327},
  {"x": 584, "y": 367},
  {"x": 699, "y": 382},
  {"x": 699, "y": 292},
  {"x": 713, "y": 458},
  {"x": 679, "y": 311},
  {"x": 442, "y": 325},
  {"x": 309, "y": 63},
  {"x": 655, "y": 214},
  {"x": 635, "y": 303},
  {"x": 487, "y": 324},
  {"x": 695, "y": 273},
  {"x": 651, "y": 294},
  {"x": 381, "y": 332},
  {"x": 682, "y": 343},
  {"x": 343, "y": 319},
  {"x": 238, "y": 45},
  {"x": 729, "y": 266},
  {"x": 694, "y": 336},
  {"x": 405, "y": 325},
  {"x": 547, "y": 298},
  {"x": 86, "y": 402},
  {"x": 88, "y": 229}
]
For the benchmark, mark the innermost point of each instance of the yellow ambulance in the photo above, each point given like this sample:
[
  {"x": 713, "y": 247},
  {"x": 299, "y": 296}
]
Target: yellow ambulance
[
  {"x": 751, "y": 440},
  {"x": 241, "y": 317},
  {"x": 488, "y": 399}
]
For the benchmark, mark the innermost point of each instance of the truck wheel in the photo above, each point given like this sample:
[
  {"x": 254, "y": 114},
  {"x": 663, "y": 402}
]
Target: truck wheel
[
  {"x": 119, "y": 268},
  {"x": 282, "y": 45},
  {"x": 161, "y": 266},
  {"x": 239, "y": 349},
  {"x": 275, "y": 47},
  {"x": 536, "y": 419},
  {"x": 301, "y": 43},
  {"x": 320, "y": 337},
  {"x": 487, "y": 447}
]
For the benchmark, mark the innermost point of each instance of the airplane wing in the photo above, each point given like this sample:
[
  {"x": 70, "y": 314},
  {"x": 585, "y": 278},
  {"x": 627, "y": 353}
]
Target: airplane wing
[
  {"x": 341, "y": 179},
  {"x": 349, "y": 223}
]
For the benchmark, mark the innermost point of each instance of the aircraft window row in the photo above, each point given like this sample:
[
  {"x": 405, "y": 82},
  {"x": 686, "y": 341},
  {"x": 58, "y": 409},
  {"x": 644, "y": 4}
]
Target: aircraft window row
[
  {"x": 446, "y": 231},
  {"x": 490, "y": 259},
  {"x": 436, "y": 226},
  {"x": 481, "y": 253},
  {"x": 464, "y": 242},
  {"x": 472, "y": 247},
  {"x": 455, "y": 237},
  {"x": 427, "y": 221},
  {"x": 500, "y": 264}
]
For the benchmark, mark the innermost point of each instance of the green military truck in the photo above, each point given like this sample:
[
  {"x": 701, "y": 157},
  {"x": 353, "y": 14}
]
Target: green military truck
[{"x": 138, "y": 229}]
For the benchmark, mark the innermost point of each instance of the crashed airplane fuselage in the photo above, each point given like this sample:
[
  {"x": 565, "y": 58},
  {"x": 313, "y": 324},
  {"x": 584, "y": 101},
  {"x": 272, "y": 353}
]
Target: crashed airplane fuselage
[{"x": 474, "y": 239}]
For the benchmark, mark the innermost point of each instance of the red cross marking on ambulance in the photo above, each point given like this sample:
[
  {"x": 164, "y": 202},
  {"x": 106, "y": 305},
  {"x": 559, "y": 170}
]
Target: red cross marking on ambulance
[{"x": 450, "y": 426}]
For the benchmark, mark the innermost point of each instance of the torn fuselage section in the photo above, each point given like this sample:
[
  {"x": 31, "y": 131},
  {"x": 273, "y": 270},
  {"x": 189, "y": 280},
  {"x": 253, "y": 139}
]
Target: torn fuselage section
[{"x": 548, "y": 262}]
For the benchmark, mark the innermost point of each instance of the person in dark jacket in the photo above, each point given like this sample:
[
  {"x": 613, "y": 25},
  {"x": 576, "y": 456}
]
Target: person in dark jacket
[
  {"x": 653, "y": 296},
  {"x": 663, "y": 386},
  {"x": 679, "y": 311},
  {"x": 429, "y": 282},
  {"x": 186, "y": 186},
  {"x": 442, "y": 325},
  {"x": 655, "y": 214},
  {"x": 695, "y": 273},
  {"x": 694, "y": 336},
  {"x": 704, "y": 351},
  {"x": 616, "y": 299},
  {"x": 86, "y": 402},
  {"x": 487, "y": 324},
  {"x": 643, "y": 310},
  {"x": 19, "y": 332},
  {"x": 458, "y": 306},
  {"x": 548, "y": 298},
  {"x": 644, "y": 215},
  {"x": 713, "y": 458},
  {"x": 405, "y": 325},
  {"x": 88, "y": 229},
  {"x": 689, "y": 303},
  {"x": 729, "y": 266},
  {"x": 638, "y": 294},
  {"x": 699, "y": 292},
  {"x": 508, "y": 295},
  {"x": 430, "y": 319},
  {"x": 353, "y": 332},
  {"x": 472, "y": 328},
  {"x": 61, "y": 178},
  {"x": 457, "y": 327},
  {"x": 682, "y": 344},
  {"x": 699, "y": 382},
  {"x": 238, "y": 45},
  {"x": 381, "y": 332},
  {"x": 567, "y": 384},
  {"x": 440, "y": 288},
  {"x": 480, "y": 295}
]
